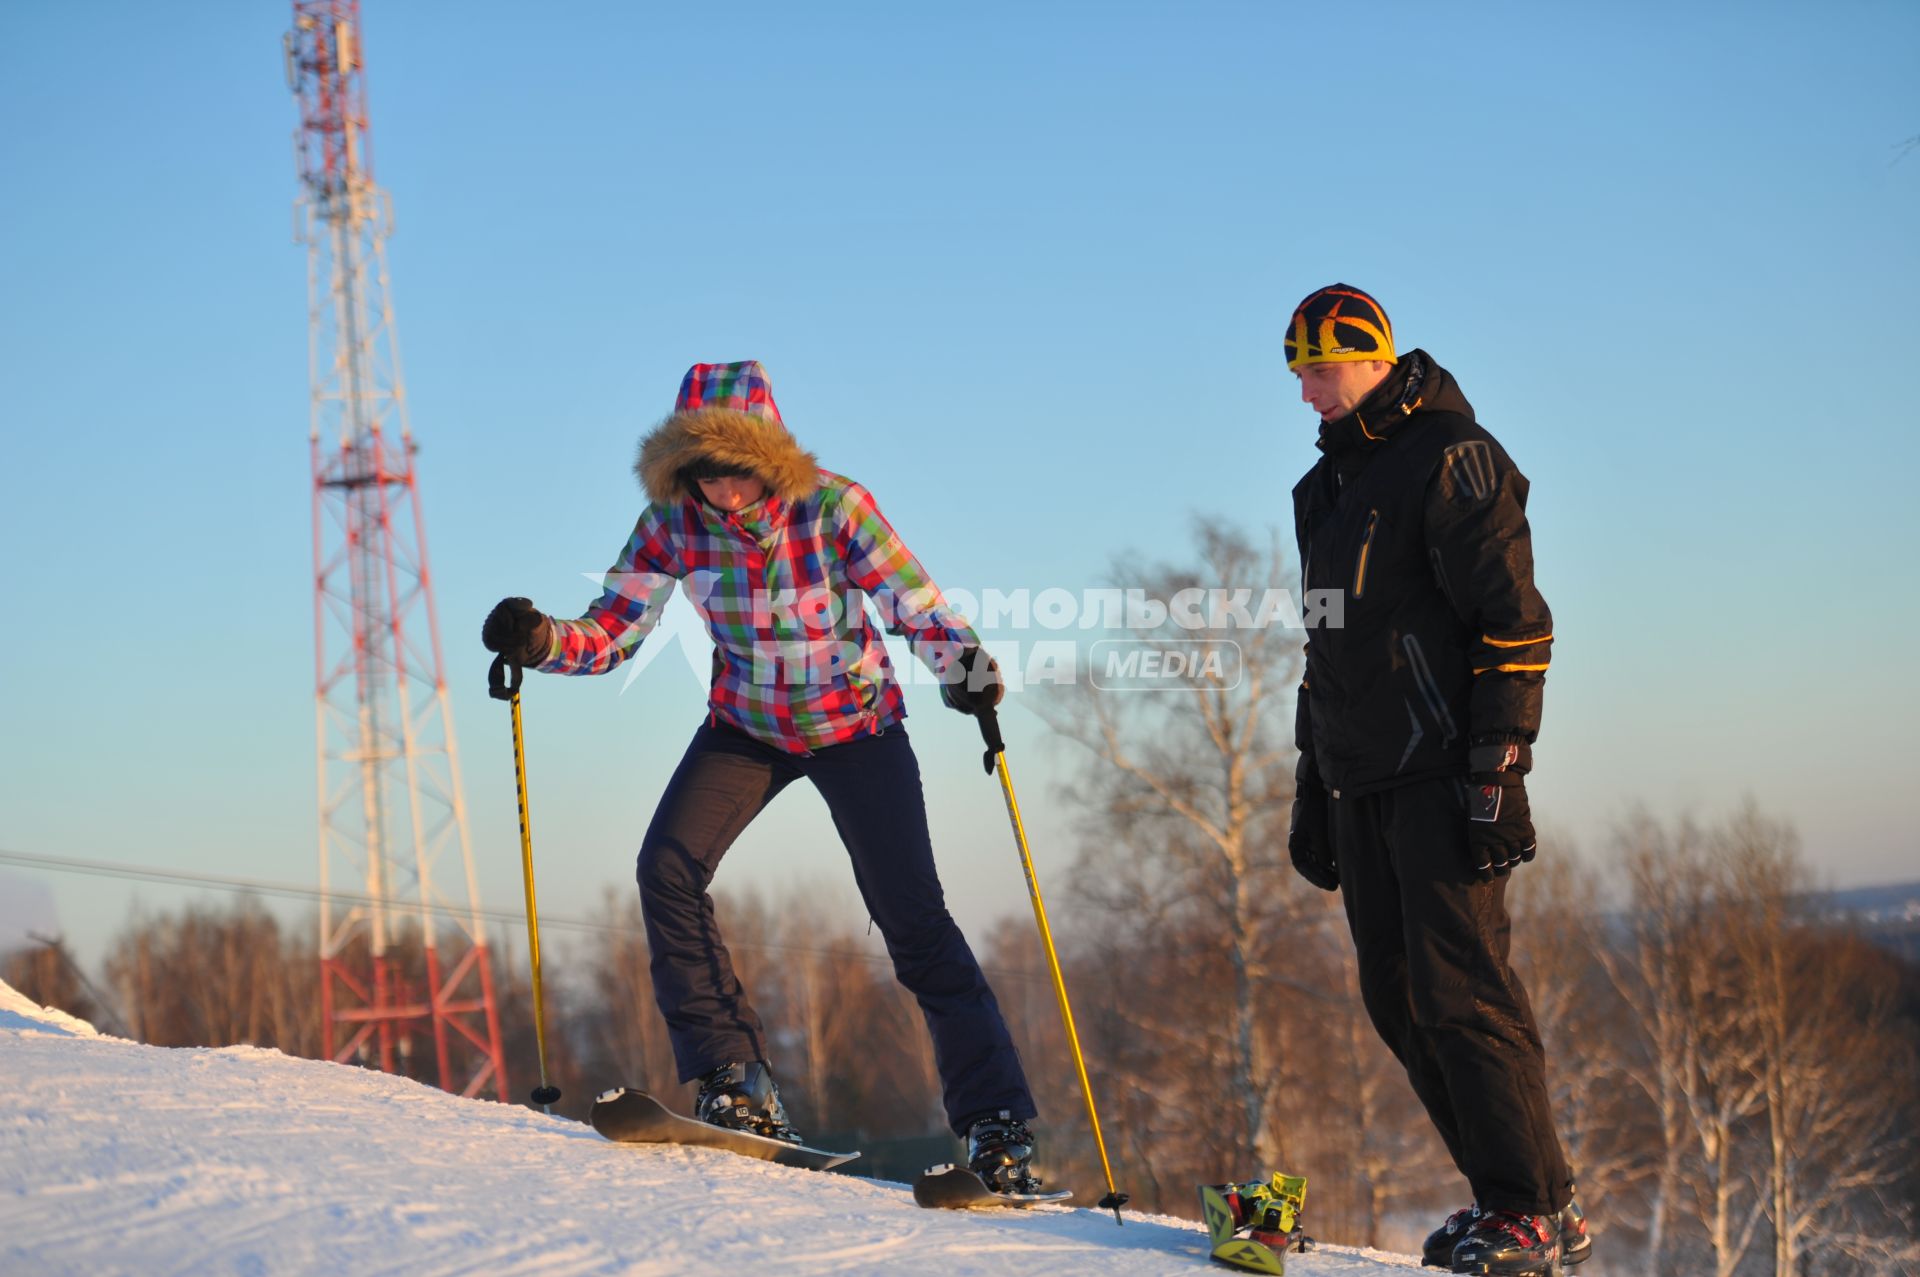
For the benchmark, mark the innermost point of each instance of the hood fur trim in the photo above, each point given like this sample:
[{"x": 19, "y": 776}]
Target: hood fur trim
[{"x": 730, "y": 437}]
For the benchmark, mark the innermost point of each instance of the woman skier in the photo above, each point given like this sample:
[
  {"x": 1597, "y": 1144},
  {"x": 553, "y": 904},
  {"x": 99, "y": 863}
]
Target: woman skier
[{"x": 779, "y": 556}]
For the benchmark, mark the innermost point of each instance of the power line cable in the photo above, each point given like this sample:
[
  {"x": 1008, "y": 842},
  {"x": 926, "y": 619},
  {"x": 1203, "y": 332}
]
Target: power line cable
[{"x": 298, "y": 891}]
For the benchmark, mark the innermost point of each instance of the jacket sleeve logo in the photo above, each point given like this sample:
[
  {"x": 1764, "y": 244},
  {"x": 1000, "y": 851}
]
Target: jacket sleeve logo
[{"x": 1468, "y": 473}]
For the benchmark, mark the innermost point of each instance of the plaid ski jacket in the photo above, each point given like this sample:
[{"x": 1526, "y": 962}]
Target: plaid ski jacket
[{"x": 782, "y": 585}]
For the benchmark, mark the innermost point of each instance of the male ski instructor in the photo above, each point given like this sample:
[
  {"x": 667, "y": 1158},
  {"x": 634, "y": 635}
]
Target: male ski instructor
[{"x": 1416, "y": 723}]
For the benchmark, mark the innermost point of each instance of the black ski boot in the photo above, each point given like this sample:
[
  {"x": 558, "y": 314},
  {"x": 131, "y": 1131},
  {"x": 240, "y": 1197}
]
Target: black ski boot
[
  {"x": 1437, "y": 1250},
  {"x": 1508, "y": 1244},
  {"x": 1575, "y": 1245},
  {"x": 742, "y": 1097},
  {"x": 999, "y": 1146}
]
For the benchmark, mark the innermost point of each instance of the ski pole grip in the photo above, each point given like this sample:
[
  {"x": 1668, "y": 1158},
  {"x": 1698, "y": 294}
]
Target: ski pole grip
[
  {"x": 990, "y": 733},
  {"x": 499, "y": 685}
]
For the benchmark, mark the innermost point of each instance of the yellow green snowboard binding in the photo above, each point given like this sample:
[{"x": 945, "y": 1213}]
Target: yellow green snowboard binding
[{"x": 1268, "y": 1211}]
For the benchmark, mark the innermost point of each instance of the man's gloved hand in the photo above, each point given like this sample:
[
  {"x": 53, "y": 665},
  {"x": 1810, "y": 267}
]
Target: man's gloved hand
[
  {"x": 1499, "y": 822},
  {"x": 978, "y": 687},
  {"x": 518, "y": 631},
  {"x": 1310, "y": 841}
]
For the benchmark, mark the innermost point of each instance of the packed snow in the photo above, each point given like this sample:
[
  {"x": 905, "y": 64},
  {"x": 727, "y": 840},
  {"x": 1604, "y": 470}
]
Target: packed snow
[{"x": 122, "y": 1158}]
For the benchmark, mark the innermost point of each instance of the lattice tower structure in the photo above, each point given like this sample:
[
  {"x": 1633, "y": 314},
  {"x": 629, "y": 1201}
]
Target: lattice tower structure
[{"x": 391, "y": 810}]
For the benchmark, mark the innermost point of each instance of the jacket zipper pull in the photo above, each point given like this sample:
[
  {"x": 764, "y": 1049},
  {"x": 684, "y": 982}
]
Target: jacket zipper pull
[{"x": 1366, "y": 547}]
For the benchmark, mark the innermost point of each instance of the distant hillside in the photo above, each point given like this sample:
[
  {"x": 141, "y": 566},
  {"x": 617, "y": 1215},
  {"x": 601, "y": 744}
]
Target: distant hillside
[{"x": 1890, "y": 915}]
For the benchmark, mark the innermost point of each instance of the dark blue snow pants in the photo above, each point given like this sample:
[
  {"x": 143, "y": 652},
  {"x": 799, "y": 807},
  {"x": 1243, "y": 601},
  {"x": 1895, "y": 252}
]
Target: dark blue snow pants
[{"x": 872, "y": 789}]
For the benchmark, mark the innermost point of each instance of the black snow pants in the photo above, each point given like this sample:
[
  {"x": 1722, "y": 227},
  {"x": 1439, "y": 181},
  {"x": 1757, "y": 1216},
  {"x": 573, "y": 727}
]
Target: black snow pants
[
  {"x": 872, "y": 788},
  {"x": 1432, "y": 942}
]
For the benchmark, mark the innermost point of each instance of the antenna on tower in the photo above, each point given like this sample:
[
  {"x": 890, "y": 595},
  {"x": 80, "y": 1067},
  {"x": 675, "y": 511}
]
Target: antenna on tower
[{"x": 391, "y": 810}]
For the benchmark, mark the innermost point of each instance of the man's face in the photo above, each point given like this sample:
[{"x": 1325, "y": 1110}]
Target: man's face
[
  {"x": 1335, "y": 389},
  {"x": 732, "y": 494}
]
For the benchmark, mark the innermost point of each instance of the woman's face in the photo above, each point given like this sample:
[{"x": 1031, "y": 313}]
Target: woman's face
[{"x": 732, "y": 494}]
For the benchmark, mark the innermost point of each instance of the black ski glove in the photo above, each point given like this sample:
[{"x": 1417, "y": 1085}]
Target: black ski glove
[
  {"x": 1499, "y": 822},
  {"x": 1310, "y": 841},
  {"x": 518, "y": 631},
  {"x": 980, "y": 687}
]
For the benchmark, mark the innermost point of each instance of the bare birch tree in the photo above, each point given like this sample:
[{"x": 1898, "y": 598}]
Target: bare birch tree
[
  {"x": 1775, "y": 1073},
  {"x": 1833, "y": 1072},
  {"x": 1190, "y": 784},
  {"x": 218, "y": 977},
  {"x": 1663, "y": 917}
]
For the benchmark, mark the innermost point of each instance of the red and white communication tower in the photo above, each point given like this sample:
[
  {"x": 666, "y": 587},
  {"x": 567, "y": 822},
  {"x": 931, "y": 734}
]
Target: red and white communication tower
[{"x": 391, "y": 809}]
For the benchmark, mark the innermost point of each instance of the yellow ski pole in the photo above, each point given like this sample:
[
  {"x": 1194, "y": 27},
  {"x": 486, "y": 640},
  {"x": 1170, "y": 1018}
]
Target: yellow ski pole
[
  {"x": 996, "y": 762},
  {"x": 502, "y": 689}
]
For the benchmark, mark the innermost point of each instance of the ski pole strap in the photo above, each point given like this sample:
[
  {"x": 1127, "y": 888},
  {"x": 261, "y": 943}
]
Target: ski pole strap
[
  {"x": 499, "y": 686},
  {"x": 990, "y": 732}
]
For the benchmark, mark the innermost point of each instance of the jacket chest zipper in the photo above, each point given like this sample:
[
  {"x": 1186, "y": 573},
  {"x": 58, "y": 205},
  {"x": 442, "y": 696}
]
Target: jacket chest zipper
[
  {"x": 1366, "y": 548},
  {"x": 756, "y": 556}
]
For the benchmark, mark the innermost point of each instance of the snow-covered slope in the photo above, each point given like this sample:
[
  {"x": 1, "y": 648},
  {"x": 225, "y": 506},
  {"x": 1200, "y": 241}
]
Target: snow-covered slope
[{"x": 120, "y": 1158}]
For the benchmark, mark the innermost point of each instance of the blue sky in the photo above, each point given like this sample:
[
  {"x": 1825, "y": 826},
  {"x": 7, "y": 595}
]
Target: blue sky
[{"x": 1023, "y": 270}]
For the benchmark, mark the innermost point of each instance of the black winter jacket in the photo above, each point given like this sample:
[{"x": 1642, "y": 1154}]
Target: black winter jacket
[{"x": 1418, "y": 516}]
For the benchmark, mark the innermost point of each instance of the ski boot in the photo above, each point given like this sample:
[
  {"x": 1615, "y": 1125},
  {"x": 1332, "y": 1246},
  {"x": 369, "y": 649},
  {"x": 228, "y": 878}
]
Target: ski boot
[
  {"x": 999, "y": 1147},
  {"x": 1437, "y": 1250},
  {"x": 1575, "y": 1244},
  {"x": 1269, "y": 1212},
  {"x": 1506, "y": 1243},
  {"x": 742, "y": 1097}
]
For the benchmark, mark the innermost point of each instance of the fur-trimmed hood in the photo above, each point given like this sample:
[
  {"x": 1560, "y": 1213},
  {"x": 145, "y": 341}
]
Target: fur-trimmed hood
[
  {"x": 725, "y": 413},
  {"x": 728, "y": 436}
]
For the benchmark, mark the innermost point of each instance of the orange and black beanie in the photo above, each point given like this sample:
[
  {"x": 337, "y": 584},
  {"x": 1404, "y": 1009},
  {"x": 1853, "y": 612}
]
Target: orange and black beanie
[{"x": 1338, "y": 324}]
